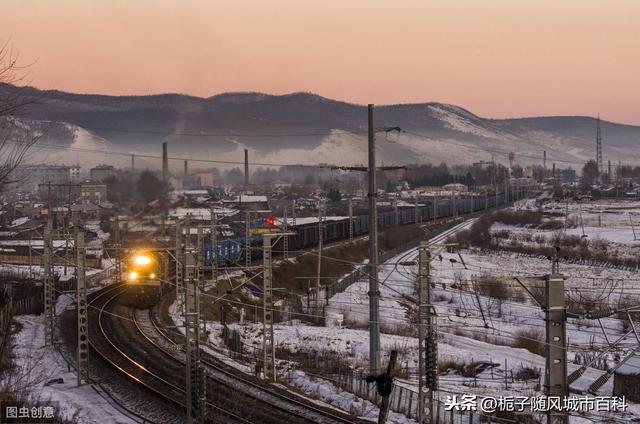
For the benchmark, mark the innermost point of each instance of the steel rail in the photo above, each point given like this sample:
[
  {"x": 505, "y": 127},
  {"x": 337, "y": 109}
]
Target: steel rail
[{"x": 286, "y": 398}]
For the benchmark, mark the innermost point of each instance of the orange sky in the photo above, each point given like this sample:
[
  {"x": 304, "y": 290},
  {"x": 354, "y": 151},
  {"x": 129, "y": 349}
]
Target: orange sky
[{"x": 499, "y": 58}]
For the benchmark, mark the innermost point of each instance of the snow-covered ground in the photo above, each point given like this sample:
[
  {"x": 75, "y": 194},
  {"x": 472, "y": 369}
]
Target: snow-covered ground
[
  {"x": 38, "y": 364},
  {"x": 466, "y": 337}
]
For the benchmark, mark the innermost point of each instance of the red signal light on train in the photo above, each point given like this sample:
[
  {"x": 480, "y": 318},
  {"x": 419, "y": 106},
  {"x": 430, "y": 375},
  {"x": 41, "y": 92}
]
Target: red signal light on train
[{"x": 271, "y": 221}]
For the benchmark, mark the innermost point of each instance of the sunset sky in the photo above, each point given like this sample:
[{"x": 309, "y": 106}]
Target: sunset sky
[{"x": 498, "y": 58}]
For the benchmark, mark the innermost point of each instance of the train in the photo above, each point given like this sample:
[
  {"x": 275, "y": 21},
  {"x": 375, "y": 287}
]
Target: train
[
  {"x": 336, "y": 230},
  {"x": 145, "y": 275},
  {"x": 145, "y": 287}
]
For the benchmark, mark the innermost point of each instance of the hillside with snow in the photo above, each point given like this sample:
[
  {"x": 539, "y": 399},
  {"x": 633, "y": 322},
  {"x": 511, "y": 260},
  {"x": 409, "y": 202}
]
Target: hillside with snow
[{"x": 306, "y": 128}]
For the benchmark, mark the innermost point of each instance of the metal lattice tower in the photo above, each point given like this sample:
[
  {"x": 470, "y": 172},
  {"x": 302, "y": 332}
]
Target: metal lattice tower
[
  {"x": 200, "y": 276},
  {"x": 268, "y": 347},
  {"x": 214, "y": 246},
  {"x": 49, "y": 284},
  {"x": 321, "y": 212},
  {"x": 81, "y": 311},
  {"x": 247, "y": 239},
  {"x": 116, "y": 245},
  {"x": 599, "y": 160},
  {"x": 195, "y": 379},
  {"x": 286, "y": 238},
  {"x": 179, "y": 266}
]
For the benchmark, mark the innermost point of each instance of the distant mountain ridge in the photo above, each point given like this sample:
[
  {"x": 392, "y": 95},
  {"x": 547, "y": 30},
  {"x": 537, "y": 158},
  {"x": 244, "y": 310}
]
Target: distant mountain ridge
[{"x": 300, "y": 127}]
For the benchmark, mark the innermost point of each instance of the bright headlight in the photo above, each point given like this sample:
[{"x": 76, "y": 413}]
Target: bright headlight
[
  {"x": 133, "y": 275},
  {"x": 142, "y": 260}
]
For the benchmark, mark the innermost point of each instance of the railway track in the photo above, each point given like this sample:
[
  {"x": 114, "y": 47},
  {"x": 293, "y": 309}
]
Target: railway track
[
  {"x": 122, "y": 343},
  {"x": 303, "y": 410}
]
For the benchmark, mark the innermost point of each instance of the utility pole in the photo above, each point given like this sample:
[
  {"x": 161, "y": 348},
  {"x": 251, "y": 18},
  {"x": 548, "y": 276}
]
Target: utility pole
[
  {"x": 200, "y": 277},
  {"x": 165, "y": 163},
  {"x": 247, "y": 238},
  {"x": 321, "y": 206},
  {"x": 454, "y": 205},
  {"x": 435, "y": 206},
  {"x": 214, "y": 247},
  {"x": 49, "y": 283},
  {"x": 285, "y": 242},
  {"x": 268, "y": 346},
  {"x": 293, "y": 212},
  {"x": 556, "y": 361},
  {"x": 179, "y": 266},
  {"x": 133, "y": 162},
  {"x": 186, "y": 172},
  {"x": 116, "y": 244},
  {"x": 350, "y": 220},
  {"x": 81, "y": 311},
  {"x": 427, "y": 336},
  {"x": 599, "y": 161},
  {"x": 246, "y": 169},
  {"x": 396, "y": 219},
  {"x": 192, "y": 337},
  {"x": 374, "y": 293}
]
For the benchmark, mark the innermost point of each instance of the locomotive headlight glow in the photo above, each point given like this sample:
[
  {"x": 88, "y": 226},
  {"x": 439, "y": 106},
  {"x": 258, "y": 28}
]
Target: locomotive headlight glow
[
  {"x": 142, "y": 260},
  {"x": 133, "y": 275},
  {"x": 152, "y": 275}
]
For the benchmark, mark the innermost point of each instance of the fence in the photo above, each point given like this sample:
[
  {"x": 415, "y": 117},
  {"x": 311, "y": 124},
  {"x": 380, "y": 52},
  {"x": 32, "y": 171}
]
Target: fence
[{"x": 6, "y": 312}]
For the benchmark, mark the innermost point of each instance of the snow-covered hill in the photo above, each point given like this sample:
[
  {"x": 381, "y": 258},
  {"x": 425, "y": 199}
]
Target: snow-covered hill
[{"x": 307, "y": 128}]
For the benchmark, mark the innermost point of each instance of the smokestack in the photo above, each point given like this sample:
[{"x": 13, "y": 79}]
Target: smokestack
[
  {"x": 186, "y": 172},
  {"x": 165, "y": 163},
  {"x": 246, "y": 167}
]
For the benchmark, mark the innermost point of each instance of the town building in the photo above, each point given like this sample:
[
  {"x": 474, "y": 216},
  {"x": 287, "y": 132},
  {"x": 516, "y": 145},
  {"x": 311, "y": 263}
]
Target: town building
[
  {"x": 93, "y": 192},
  {"x": 29, "y": 177},
  {"x": 101, "y": 172}
]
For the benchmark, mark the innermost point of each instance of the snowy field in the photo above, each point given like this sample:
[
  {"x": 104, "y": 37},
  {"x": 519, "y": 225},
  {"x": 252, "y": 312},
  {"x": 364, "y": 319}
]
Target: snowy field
[
  {"x": 37, "y": 365},
  {"x": 477, "y": 331}
]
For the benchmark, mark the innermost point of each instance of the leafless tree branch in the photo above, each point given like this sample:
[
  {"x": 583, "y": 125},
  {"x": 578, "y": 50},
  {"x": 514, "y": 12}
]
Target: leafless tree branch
[{"x": 16, "y": 138}]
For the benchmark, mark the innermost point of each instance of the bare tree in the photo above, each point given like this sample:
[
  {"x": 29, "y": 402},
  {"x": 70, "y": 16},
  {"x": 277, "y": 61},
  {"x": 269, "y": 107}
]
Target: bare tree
[{"x": 16, "y": 139}]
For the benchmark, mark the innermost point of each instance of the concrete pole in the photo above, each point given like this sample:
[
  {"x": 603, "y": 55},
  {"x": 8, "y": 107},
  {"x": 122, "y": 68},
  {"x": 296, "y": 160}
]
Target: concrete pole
[
  {"x": 350, "y": 220},
  {"x": 556, "y": 361},
  {"x": 320, "y": 247},
  {"x": 374, "y": 293}
]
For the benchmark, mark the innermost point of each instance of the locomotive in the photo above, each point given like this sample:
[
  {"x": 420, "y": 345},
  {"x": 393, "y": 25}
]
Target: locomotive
[{"x": 145, "y": 272}]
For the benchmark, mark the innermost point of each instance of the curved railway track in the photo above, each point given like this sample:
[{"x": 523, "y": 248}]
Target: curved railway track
[
  {"x": 123, "y": 344},
  {"x": 279, "y": 399}
]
